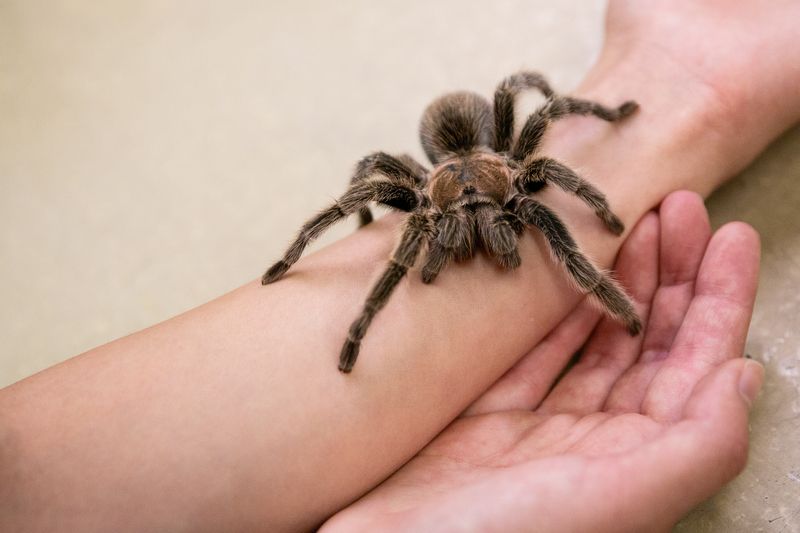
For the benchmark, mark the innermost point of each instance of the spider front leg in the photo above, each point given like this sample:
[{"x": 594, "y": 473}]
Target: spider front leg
[
  {"x": 453, "y": 239},
  {"x": 417, "y": 230},
  {"x": 564, "y": 248},
  {"x": 504, "y": 98},
  {"x": 401, "y": 169},
  {"x": 559, "y": 107},
  {"x": 544, "y": 170},
  {"x": 398, "y": 195}
]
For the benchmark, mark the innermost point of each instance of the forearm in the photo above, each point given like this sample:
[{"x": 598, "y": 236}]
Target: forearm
[{"x": 234, "y": 414}]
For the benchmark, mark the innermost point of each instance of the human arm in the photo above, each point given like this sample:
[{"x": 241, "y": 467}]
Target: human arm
[{"x": 212, "y": 388}]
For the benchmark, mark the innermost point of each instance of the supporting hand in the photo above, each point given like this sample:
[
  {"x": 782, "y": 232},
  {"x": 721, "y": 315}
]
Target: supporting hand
[{"x": 633, "y": 435}]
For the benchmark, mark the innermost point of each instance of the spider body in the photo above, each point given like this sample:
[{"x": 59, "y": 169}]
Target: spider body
[{"x": 479, "y": 194}]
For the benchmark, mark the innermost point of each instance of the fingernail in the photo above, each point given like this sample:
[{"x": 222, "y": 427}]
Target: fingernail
[{"x": 750, "y": 381}]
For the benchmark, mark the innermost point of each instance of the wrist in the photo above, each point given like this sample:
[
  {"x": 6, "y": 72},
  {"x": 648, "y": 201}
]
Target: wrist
[
  {"x": 690, "y": 117},
  {"x": 678, "y": 139}
]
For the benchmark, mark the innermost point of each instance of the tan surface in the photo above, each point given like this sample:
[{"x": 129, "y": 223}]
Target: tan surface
[{"x": 154, "y": 156}]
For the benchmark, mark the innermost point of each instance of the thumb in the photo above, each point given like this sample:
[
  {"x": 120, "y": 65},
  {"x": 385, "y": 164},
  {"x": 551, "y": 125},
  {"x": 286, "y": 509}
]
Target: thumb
[
  {"x": 726, "y": 394},
  {"x": 717, "y": 415},
  {"x": 704, "y": 450}
]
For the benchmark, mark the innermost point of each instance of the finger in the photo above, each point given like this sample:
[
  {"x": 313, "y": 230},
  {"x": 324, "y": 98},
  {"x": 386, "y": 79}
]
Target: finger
[
  {"x": 706, "y": 449},
  {"x": 611, "y": 350},
  {"x": 528, "y": 381},
  {"x": 685, "y": 232},
  {"x": 715, "y": 327}
]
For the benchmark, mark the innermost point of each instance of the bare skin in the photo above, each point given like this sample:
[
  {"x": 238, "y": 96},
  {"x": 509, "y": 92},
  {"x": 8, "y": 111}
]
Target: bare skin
[{"x": 234, "y": 417}]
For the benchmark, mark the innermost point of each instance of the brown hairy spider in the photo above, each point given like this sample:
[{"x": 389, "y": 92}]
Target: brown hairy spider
[{"x": 479, "y": 194}]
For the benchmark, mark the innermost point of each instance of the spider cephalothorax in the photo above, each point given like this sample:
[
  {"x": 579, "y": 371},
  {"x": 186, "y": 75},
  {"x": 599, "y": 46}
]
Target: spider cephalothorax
[{"x": 480, "y": 194}]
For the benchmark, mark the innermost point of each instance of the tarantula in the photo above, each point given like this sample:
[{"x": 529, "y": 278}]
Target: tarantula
[{"x": 480, "y": 193}]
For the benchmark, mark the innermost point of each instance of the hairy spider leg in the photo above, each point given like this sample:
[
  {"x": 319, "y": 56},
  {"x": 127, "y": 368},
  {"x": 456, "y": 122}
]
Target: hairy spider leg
[
  {"x": 545, "y": 170},
  {"x": 559, "y": 107},
  {"x": 398, "y": 195},
  {"x": 402, "y": 168},
  {"x": 416, "y": 231},
  {"x": 587, "y": 277},
  {"x": 504, "y": 97}
]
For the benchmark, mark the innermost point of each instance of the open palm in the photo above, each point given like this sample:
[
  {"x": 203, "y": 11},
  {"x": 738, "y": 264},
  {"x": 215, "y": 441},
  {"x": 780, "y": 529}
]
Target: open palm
[{"x": 632, "y": 435}]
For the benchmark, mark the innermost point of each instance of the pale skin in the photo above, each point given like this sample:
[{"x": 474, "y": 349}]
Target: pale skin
[{"x": 234, "y": 417}]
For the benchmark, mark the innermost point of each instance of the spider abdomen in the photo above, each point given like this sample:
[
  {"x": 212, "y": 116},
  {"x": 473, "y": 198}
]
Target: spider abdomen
[{"x": 455, "y": 124}]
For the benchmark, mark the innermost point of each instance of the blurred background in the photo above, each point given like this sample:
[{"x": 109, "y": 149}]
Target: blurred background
[{"x": 154, "y": 155}]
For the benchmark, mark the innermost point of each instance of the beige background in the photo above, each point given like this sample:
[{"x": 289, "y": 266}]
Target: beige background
[{"x": 156, "y": 154}]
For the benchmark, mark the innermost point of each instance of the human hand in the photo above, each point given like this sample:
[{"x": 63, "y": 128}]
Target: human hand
[{"x": 632, "y": 436}]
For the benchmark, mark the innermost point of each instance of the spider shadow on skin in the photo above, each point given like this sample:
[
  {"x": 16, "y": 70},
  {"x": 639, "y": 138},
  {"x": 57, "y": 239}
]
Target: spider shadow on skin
[{"x": 480, "y": 195}]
